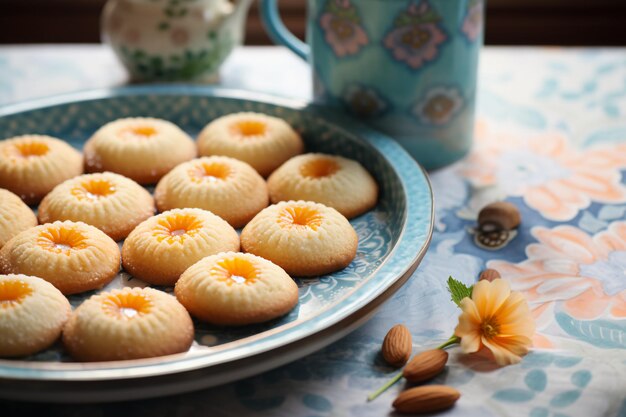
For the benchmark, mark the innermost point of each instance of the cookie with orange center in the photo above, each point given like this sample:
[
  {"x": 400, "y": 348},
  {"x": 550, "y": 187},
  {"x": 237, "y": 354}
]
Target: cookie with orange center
[
  {"x": 334, "y": 181},
  {"x": 263, "y": 141},
  {"x": 225, "y": 186},
  {"x": 32, "y": 165},
  {"x": 72, "y": 256},
  {"x": 32, "y": 314},
  {"x": 130, "y": 323},
  {"x": 302, "y": 237},
  {"x": 142, "y": 148},
  {"x": 236, "y": 289},
  {"x": 110, "y": 202},
  {"x": 164, "y": 246},
  {"x": 15, "y": 216}
]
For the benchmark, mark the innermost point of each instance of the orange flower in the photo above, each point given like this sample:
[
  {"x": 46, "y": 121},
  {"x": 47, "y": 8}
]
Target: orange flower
[{"x": 497, "y": 319}]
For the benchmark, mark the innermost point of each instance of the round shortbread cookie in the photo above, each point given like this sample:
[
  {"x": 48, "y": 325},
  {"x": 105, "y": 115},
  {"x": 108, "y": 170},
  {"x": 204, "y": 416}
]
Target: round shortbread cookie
[
  {"x": 142, "y": 149},
  {"x": 32, "y": 165},
  {"x": 15, "y": 216},
  {"x": 72, "y": 256},
  {"x": 110, "y": 202},
  {"x": 236, "y": 289},
  {"x": 225, "y": 186},
  {"x": 263, "y": 141},
  {"x": 32, "y": 314},
  {"x": 334, "y": 181},
  {"x": 302, "y": 237},
  {"x": 164, "y": 246},
  {"x": 130, "y": 323}
]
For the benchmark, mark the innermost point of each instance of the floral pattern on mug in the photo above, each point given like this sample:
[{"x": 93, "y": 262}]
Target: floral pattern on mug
[
  {"x": 416, "y": 36},
  {"x": 439, "y": 105},
  {"x": 584, "y": 274},
  {"x": 473, "y": 21},
  {"x": 342, "y": 28},
  {"x": 364, "y": 101},
  {"x": 550, "y": 175}
]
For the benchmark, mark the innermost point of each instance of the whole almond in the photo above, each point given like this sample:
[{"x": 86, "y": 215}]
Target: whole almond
[
  {"x": 397, "y": 346},
  {"x": 426, "y": 399},
  {"x": 501, "y": 213},
  {"x": 425, "y": 365},
  {"x": 489, "y": 275}
]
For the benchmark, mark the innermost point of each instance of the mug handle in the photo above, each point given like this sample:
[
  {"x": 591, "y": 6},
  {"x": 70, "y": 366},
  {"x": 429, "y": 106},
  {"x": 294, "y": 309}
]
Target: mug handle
[{"x": 278, "y": 32}]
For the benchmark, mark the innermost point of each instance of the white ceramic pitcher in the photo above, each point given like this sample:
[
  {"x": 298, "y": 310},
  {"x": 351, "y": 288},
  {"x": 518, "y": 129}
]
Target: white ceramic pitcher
[{"x": 174, "y": 40}]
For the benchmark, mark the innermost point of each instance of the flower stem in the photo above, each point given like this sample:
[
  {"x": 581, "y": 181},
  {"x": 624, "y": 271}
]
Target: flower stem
[
  {"x": 451, "y": 341},
  {"x": 385, "y": 387}
]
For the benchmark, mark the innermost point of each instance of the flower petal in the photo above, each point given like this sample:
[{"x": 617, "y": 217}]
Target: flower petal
[
  {"x": 468, "y": 328},
  {"x": 466, "y": 325},
  {"x": 468, "y": 306},
  {"x": 470, "y": 342},
  {"x": 489, "y": 296},
  {"x": 507, "y": 352},
  {"x": 518, "y": 344},
  {"x": 514, "y": 316}
]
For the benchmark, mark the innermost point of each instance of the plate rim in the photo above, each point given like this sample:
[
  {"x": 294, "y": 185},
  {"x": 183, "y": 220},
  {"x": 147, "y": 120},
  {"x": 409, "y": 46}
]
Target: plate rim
[{"x": 76, "y": 371}]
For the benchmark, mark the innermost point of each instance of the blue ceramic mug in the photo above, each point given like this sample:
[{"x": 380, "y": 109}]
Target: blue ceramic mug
[{"x": 408, "y": 67}]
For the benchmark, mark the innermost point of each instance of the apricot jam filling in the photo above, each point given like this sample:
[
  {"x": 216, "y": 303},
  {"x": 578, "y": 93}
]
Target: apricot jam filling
[
  {"x": 209, "y": 172},
  {"x": 13, "y": 292},
  {"x": 176, "y": 227},
  {"x": 30, "y": 149},
  {"x": 138, "y": 132},
  {"x": 61, "y": 240},
  {"x": 126, "y": 305},
  {"x": 93, "y": 190},
  {"x": 319, "y": 168},
  {"x": 299, "y": 217},
  {"x": 235, "y": 271},
  {"x": 249, "y": 128}
]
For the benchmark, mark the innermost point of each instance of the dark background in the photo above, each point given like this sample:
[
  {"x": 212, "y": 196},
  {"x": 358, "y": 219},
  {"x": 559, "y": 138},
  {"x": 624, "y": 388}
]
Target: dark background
[{"x": 509, "y": 22}]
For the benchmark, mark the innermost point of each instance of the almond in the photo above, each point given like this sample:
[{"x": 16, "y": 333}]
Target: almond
[
  {"x": 426, "y": 399},
  {"x": 489, "y": 275},
  {"x": 502, "y": 214},
  {"x": 397, "y": 346},
  {"x": 426, "y": 365}
]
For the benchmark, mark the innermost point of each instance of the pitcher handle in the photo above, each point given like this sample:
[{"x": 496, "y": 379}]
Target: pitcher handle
[{"x": 278, "y": 32}]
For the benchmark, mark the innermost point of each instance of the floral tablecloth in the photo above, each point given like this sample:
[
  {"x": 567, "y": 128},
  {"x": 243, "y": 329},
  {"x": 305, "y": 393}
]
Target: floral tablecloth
[{"x": 551, "y": 138}]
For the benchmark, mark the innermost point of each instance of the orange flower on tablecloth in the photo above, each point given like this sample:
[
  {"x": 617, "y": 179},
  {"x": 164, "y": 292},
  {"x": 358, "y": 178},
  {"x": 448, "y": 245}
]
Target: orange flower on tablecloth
[
  {"x": 551, "y": 176},
  {"x": 586, "y": 274},
  {"x": 497, "y": 319}
]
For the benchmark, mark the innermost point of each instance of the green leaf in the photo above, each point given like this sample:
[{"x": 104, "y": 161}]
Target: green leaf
[{"x": 458, "y": 290}]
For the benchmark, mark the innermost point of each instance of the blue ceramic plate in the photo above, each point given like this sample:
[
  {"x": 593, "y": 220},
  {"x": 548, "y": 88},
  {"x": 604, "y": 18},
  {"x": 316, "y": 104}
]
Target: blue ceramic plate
[{"x": 392, "y": 240}]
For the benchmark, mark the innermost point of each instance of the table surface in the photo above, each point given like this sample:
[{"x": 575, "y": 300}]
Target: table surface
[{"x": 551, "y": 138}]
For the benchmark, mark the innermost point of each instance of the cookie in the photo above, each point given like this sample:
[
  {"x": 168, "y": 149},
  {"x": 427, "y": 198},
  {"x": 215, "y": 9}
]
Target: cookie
[
  {"x": 164, "y": 246},
  {"x": 225, "y": 186},
  {"x": 236, "y": 289},
  {"x": 32, "y": 315},
  {"x": 32, "y": 165},
  {"x": 334, "y": 181},
  {"x": 142, "y": 148},
  {"x": 15, "y": 216},
  {"x": 110, "y": 202},
  {"x": 72, "y": 256},
  {"x": 130, "y": 323},
  {"x": 302, "y": 237},
  {"x": 263, "y": 141}
]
